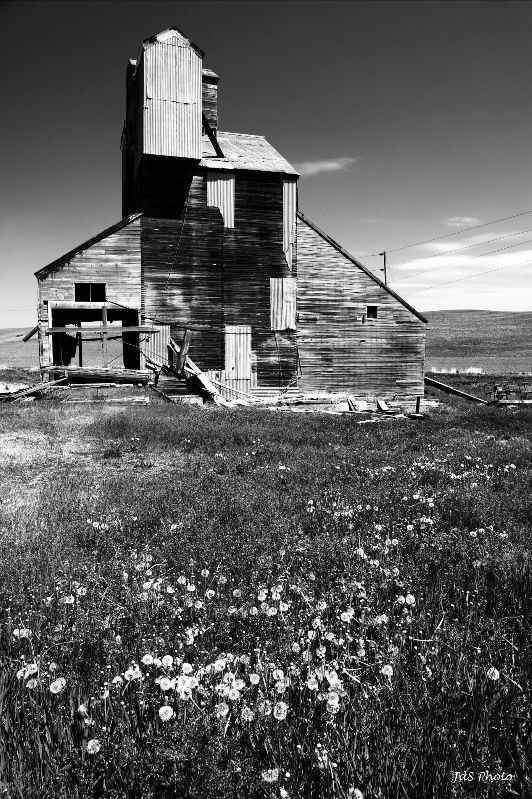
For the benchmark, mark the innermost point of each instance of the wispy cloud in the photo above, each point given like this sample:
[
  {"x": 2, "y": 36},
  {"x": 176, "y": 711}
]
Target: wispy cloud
[
  {"x": 462, "y": 221},
  {"x": 309, "y": 169}
]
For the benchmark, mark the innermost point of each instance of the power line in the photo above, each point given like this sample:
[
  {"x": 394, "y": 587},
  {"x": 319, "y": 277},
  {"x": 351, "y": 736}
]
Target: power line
[
  {"x": 480, "y": 255},
  {"x": 469, "y": 277},
  {"x": 466, "y": 247},
  {"x": 447, "y": 235}
]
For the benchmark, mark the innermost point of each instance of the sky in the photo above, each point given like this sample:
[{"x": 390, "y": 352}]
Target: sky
[{"x": 409, "y": 122}]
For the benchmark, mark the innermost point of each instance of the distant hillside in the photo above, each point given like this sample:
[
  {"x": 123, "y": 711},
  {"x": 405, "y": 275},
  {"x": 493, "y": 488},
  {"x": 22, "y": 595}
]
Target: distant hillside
[
  {"x": 496, "y": 341},
  {"x": 14, "y": 352}
]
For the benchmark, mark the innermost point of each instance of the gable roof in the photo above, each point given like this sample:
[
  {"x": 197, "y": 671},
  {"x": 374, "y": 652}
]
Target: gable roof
[
  {"x": 361, "y": 266},
  {"x": 245, "y": 151},
  {"x": 171, "y": 33},
  {"x": 59, "y": 262}
]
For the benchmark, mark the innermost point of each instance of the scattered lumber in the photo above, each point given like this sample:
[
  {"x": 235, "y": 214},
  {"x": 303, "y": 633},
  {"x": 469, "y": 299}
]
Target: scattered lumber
[{"x": 36, "y": 391}]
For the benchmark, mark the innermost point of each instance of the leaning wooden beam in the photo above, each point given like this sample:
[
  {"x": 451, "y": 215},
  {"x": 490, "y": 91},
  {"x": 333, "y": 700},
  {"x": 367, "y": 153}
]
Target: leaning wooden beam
[
  {"x": 429, "y": 381},
  {"x": 212, "y": 138},
  {"x": 31, "y": 333}
]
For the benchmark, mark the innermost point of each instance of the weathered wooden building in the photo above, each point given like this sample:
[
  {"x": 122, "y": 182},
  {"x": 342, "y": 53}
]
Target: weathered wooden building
[{"x": 212, "y": 242}]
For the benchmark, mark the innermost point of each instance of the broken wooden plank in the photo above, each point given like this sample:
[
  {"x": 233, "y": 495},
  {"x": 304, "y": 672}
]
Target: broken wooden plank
[
  {"x": 183, "y": 351},
  {"x": 39, "y": 388},
  {"x": 102, "y": 329},
  {"x": 429, "y": 381}
]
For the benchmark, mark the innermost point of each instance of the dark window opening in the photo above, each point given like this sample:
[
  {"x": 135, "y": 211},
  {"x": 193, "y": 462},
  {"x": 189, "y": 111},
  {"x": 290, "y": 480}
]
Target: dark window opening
[
  {"x": 89, "y": 292},
  {"x": 371, "y": 312}
]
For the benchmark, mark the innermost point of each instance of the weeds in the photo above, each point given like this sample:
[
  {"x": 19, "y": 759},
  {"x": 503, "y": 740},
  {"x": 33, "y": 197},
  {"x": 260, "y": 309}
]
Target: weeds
[{"x": 300, "y": 610}]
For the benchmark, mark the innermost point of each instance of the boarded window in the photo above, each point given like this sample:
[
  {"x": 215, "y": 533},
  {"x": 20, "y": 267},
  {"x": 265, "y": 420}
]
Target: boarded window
[
  {"x": 371, "y": 312},
  {"x": 283, "y": 303},
  {"x": 221, "y": 194},
  {"x": 89, "y": 292},
  {"x": 238, "y": 352},
  {"x": 289, "y": 219}
]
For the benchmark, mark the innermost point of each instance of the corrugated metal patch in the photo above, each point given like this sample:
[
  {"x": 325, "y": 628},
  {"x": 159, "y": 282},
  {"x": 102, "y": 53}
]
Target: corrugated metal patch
[
  {"x": 221, "y": 194},
  {"x": 172, "y": 129},
  {"x": 289, "y": 219},
  {"x": 238, "y": 352},
  {"x": 157, "y": 346},
  {"x": 283, "y": 303},
  {"x": 172, "y": 101}
]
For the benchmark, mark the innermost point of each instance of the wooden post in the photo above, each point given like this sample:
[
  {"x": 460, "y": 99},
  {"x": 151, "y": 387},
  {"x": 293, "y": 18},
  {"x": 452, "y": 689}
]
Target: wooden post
[
  {"x": 418, "y": 403},
  {"x": 104, "y": 337},
  {"x": 142, "y": 357},
  {"x": 384, "y": 267},
  {"x": 80, "y": 345},
  {"x": 183, "y": 351}
]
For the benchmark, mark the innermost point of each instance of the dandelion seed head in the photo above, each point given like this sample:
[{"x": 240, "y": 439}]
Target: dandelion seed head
[
  {"x": 57, "y": 685},
  {"x": 166, "y": 713},
  {"x": 93, "y": 746}
]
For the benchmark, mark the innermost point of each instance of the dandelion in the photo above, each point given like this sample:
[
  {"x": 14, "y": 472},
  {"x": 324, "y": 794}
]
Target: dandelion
[
  {"x": 233, "y": 694},
  {"x": 165, "y": 713},
  {"x": 387, "y": 670},
  {"x": 191, "y": 588},
  {"x": 247, "y": 714},
  {"x": 21, "y": 633},
  {"x": 270, "y": 775},
  {"x": 280, "y": 711},
  {"x": 31, "y": 668},
  {"x": 182, "y": 580},
  {"x": 186, "y": 668},
  {"x": 254, "y": 679},
  {"x": 262, "y": 594},
  {"x": 222, "y": 580},
  {"x": 221, "y": 709},
  {"x": 57, "y": 685},
  {"x": 165, "y": 684},
  {"x": 32, "y": 683},
  {"x": 492, "y": 673},
  {"x": 167, "y": 661},
  {"x": 93, "y": 746},
  {"x": 271, "y": 611},
  {"x": 82, "y": 710},
  {"x": 170, "y": 589},
  {"x": 278, "y": 674},
  {"x": 147, "y": 659},
  {"x": 205, "y": 573},
  {"x": 117, "y": 680},
  {"x": 312, "y": 683},
  {"x": 209, "y": 593}
]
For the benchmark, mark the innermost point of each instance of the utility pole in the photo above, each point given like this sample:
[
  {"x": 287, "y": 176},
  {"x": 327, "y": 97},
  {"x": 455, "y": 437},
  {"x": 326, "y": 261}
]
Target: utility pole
[{"x": 384, "y": 268}]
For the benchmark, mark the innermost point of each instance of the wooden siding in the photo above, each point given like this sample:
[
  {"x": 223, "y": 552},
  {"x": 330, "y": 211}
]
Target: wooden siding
[
  {"x": 210, "y": 99},
  {"x": 200, "y": 275},
  {"x": 339, "y": 348},
  {"x": 182, "y": 274},
  {"x": 114, "y": 260}
]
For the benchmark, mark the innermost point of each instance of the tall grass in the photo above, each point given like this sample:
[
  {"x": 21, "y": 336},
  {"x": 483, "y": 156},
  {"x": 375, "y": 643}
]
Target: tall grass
[{"x": 255, "y": 604}]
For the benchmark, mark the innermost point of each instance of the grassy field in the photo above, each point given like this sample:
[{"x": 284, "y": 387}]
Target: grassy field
[
  {"x": 496, "y": 342},
  {"x": 204, "y": 603}
]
